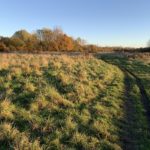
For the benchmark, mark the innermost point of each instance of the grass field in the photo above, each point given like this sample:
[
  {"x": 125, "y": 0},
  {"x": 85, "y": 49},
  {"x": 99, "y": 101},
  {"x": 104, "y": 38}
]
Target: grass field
[{"x": 68, "y": 103}]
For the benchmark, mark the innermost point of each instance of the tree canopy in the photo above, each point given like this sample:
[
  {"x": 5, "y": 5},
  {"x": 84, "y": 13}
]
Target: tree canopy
[{"x": 41, "y": 40}]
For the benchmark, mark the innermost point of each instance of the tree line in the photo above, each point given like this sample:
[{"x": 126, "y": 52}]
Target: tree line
[
  {"x": 48, "y": 40},
  {"x": 41, "y": 40}
]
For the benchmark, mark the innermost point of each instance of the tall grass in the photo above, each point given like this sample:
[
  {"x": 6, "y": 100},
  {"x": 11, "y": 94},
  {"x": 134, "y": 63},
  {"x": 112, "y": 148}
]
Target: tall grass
[{"x": 59, "y": 102}]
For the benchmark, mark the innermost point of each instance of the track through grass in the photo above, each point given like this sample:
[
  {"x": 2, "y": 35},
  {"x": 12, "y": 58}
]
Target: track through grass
[{"x": 137, "y": 129}]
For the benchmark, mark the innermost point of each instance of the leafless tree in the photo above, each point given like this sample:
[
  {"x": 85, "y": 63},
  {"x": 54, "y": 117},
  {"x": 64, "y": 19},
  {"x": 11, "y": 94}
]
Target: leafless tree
[
  {"x": 80, "y": 41},
  {"x": 44, "y": 34}
]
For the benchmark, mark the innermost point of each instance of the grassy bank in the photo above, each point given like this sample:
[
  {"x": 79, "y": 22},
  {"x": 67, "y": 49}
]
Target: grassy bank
[{"x": 59, "y": 103}]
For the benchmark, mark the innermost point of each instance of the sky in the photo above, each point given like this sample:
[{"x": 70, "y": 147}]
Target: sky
[{"x": 102, "y": 22}]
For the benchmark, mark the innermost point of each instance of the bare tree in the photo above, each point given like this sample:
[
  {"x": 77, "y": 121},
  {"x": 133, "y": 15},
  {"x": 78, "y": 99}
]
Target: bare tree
[
  {"x": 44, "y": 34},
  {"x": 57, "y": 31},
  {"x": 81, "y": 42}
]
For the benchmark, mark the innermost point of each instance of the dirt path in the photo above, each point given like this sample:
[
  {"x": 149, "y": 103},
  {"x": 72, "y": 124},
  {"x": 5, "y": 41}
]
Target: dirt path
[
  {"x": 130, "y": 129},
  {"x": 135, "y": 133},
  {"x": 128, "y": 134},
  {"x": 144, "y": 97}
]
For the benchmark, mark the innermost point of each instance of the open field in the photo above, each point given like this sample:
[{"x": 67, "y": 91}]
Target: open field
[{"x": 63, "y": 102}]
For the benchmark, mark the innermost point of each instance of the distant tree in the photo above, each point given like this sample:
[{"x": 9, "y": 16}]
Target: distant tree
[
  {"x": 54, "y": 39},
  {"x": 57, "y": 32},
  {"x": 80, "y": 41},
  {"x": 91, "y": 48},
  {"x": 64, "y": 42},
  {"x": 23, "y": 35},
  {"x": 17, "y": 42},
  {"x": 5, "y": 40},
  {"x": 3, "y": 47},
  {"x": 44, "y": 34}
]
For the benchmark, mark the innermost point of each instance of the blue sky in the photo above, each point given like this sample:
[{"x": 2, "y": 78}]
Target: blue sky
[{"x": 102, "y": 22}]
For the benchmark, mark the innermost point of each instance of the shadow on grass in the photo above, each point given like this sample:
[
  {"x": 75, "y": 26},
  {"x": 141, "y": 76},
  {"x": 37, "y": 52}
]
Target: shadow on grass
[
  {"x": 4, "y": 72},
  {"x": 24, "y": 99},
  {"x": 57, "y": 83}
]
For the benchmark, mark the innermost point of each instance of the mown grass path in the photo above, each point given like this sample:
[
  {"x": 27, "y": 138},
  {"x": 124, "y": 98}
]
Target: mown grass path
[
  {"x": 144, "y": 97},
  {"x": 136, "y": 122},
  {"x": 128, "y": 140},
  {"x": 132, "y": 124}
]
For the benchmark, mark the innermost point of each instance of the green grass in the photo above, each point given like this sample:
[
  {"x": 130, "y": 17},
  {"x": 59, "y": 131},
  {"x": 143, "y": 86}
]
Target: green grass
[
  {"x": 137, "y": 127},
  {"x": 59, "y": 103},
  {"x": 140, "y": 67},
  {"x": 49, "y": 102}
]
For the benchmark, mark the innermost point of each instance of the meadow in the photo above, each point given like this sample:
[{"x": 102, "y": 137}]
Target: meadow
[{"x": 71, "y": 103}]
